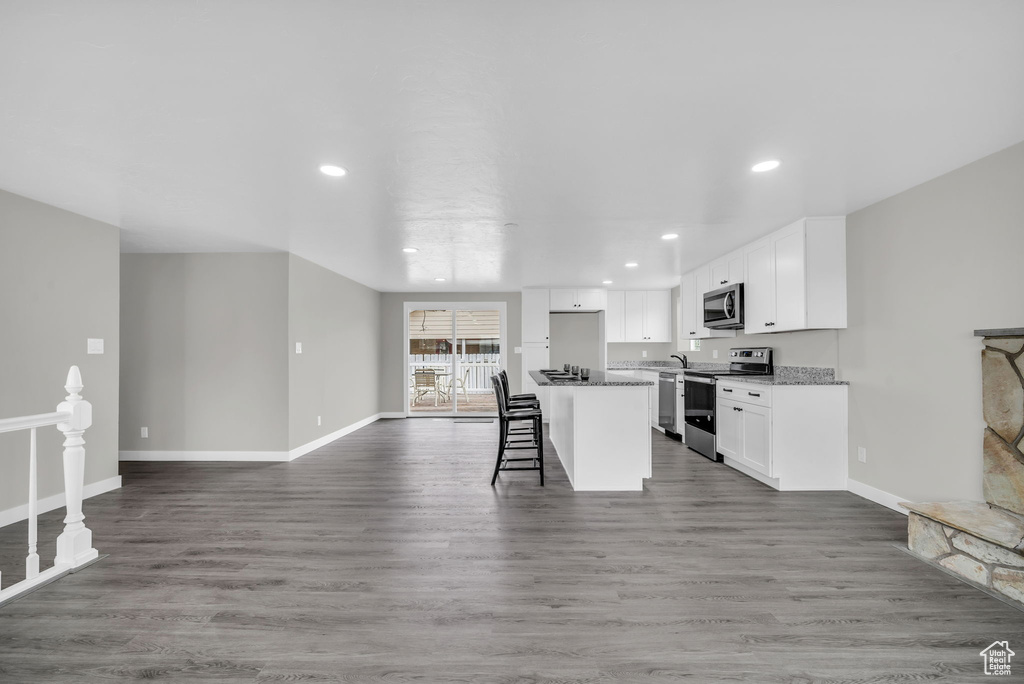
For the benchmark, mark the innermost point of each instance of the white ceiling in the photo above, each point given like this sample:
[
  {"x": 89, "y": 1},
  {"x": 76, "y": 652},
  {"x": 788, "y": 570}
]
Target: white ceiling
[{"x": 594, "y": 126}]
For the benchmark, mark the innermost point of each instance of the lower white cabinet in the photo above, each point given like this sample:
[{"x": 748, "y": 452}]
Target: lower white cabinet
[
  {"x": 536, "y": 356},
  {"x": 791, "y": 437},
  {"x": 651, "y": 376}
]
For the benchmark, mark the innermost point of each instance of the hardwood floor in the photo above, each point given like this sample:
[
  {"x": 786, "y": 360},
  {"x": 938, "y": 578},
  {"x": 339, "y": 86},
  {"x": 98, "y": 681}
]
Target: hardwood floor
[{"x": 386, "y": 556}]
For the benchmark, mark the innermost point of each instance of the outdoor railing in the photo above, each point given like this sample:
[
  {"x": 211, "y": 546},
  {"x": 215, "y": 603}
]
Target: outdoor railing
[
  {"x": 480, "y": 366},
  {"x": 74, "y": 545}
]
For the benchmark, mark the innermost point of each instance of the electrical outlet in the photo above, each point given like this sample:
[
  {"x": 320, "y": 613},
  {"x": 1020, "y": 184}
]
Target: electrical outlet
[
  {"x": 517, "y": 350},
  {"x": 644, "y": 353},
  {"x": 145, "y": 433},
  {"x": 93, "y": 346},
  {"x": 862, "y": 454},
  {"x": 318, "y": 420},
  {"x": 714, "y": 353},
  {"x": 298, "y": 347}
]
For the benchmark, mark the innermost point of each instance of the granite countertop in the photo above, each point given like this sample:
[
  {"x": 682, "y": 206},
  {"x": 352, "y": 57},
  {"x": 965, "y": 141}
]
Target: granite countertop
[
  {"x": 597, "y": 379},
  {"x": 784, "y": 375}
]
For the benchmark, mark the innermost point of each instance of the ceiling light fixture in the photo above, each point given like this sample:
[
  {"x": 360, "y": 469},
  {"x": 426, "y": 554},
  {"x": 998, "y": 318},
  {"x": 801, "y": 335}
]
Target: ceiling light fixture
[
  {"x": 606, "y": 282},
  {"x": 670, "y": 236},
  {"x": 765, "y": 166},
  {"x": 511, "y": 225},
  {"x": 632, "y": 264},
  {"x": 332, "y": 170},
  {"x": 438, "y": 280},
  {"x": 410, "y": 250}
]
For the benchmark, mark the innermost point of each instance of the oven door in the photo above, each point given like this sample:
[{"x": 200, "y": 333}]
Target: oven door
[
  {"x": 723, "y": 309},
  {"x": 699, "y": 403}
]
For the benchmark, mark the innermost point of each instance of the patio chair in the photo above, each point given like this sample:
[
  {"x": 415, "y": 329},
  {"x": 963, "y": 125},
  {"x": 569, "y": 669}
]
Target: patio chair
[
  {"x": 424, "y": 382},
  {"x": 460, "y": 384}
]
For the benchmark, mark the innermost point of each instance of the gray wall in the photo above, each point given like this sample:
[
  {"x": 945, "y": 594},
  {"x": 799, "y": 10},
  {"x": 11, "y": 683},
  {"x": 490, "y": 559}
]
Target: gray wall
[
  {"x": 59, "y": 279},
  {"x": 204, "y": 341},
  {"x": 926, "y": 268},
  {"x": 337, "y": 320},
  {"x": 574, "y": 339},
  {"x": 393, "y": 375}
]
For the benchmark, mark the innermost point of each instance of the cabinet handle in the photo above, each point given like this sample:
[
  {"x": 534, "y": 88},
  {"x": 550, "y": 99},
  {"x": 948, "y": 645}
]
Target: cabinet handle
[
  {"x": 767, "y": 324},
  {"x": 734, "y": 408},
  {"x": 726, "y": 390},
  {"x": 694, "y": 332},
  {"x": 754, "y": 394},
  {"x": 723, "y": 282}
]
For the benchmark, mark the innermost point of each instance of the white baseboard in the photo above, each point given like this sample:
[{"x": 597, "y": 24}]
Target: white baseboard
[
  {"x": 19, "y": 513},
  {"x": 248, "y": 456},
  {"x": 327, "y": 439},
  {"x": 877, "y": 495}
]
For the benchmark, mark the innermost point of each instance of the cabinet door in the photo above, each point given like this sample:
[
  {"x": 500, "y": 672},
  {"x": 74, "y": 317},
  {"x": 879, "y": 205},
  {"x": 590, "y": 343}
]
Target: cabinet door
[
  {"x": 535, "y": 357},
  {"x": 756, "y": 438},
  {"x": 728, "y": 429},
  {"x": 719, "y": 273},
  {"x": 790, "y": 279},
  {"x": 654, "y": 402},
  {"x": 614, "y": 317},
  {"x": 702, "y": 284},
  {"x": 634, "y": 317},
  {"x": 735, "y": 260},
  {"x": 536, "y": 308},
  {"x": 563, "y": 300},
  {"x": 658, "y": 316},
  {"x": 591, "y": 300},
  {"x": 759, "y": 288},
  {"x": 688, "y": 309}
]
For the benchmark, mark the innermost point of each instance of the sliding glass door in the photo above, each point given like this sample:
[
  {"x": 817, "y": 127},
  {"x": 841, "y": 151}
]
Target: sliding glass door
[{"x": 453, "y": 350}]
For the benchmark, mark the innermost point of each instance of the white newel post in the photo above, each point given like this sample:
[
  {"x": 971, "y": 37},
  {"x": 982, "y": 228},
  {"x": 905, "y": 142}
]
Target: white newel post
[{"x": 74, "y": 545}]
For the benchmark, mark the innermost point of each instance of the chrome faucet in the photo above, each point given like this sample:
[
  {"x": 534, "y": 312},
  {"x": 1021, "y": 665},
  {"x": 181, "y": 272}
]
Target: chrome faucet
[{"x": 683, "y": 359}]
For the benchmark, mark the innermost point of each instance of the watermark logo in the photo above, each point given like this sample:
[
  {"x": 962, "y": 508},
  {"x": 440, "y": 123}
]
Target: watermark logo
[{"x": 997, "y": 658}]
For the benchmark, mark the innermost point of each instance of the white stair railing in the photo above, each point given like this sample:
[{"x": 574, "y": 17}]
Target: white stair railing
[{"x": 74, "y": 545}]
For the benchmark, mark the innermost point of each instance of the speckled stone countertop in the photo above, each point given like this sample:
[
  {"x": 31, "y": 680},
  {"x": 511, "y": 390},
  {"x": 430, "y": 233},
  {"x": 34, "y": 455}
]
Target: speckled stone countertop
[
  {"x": 784, "y": 375},
  {"x": 597, "y": 379}
]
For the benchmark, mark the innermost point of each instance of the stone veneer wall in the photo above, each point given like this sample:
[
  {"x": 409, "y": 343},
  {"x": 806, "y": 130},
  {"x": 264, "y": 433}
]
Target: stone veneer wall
[
  {"x": 1003, "y": 396},
  {"x": 991, "y": 566}
]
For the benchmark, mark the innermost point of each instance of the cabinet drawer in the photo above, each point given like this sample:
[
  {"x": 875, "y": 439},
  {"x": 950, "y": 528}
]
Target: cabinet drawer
[{"x": 760, "y": 395}]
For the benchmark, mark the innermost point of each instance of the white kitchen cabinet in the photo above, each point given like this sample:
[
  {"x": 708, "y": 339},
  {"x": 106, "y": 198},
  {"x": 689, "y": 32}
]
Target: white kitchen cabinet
[
  {"x": 727, "y": 270},
  {"x": 536, "y": 356},
  {"x": 791, "y": 437},
  {"x": 614, "y": 317},
  {"x": 578, "y": 300},
  {"x": 692, "y": 287},
  {"x": 536, "y": 315},
  {"x": 796, "y": 278},
  {"x": 646, "y": 316}
]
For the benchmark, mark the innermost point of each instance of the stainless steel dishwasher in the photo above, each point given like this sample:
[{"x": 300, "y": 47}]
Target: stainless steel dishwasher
[{"x": 667, "y": 404}]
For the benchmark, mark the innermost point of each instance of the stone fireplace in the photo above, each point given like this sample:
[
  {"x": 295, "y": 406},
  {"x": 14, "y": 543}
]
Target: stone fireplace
[{"x": 983, "y": 542}]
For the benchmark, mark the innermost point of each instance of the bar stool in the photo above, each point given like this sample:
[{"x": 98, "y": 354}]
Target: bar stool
[
  {"x": 507, "y": 416},
  {"x": 515, "y": 397},
  {"x": 517, "y": 401}
]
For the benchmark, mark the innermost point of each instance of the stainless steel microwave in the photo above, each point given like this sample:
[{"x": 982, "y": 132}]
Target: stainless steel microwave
[{"x": 723, "y": 308}]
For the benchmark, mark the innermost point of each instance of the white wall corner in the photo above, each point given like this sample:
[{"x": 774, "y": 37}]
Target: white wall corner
[
  {"x": 50, "y": 503},
  {"x": 878, "y": 496}
]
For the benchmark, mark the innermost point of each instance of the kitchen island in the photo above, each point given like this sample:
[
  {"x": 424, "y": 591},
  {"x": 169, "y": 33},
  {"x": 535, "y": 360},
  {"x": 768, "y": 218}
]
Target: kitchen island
[{"x": 601, "y": 430}]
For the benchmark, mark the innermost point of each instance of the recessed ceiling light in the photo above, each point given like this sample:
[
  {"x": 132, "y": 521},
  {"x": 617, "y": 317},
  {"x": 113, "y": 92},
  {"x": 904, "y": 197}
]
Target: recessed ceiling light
[
  {"x": 632, "y": 264},
  {"x": 765, "y": 166},
  {"x": 332, "y": 170},
  {"x": 439, "y": 280},
  {"x": 511, "y": 225},
  {"x": 410, "y": 250},
  {"x": 606, "y": 282},
  {"x": 670, "y": 236}
]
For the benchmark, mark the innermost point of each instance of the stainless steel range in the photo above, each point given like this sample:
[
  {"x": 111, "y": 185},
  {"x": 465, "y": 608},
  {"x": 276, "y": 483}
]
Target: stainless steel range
[{"x": 700, "y": 391}]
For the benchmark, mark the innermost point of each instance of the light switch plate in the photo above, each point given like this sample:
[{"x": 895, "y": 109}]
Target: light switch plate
[
  {"x": 145, "y": 433},
  {"x": 298, "y": 347},
  {"x": 645, "y": 353},
  {"x": 94, "y": 346},
  {"x": 714, "y": 353},
  {"x": 517, "y": 350},
  {"x": 862, "y": 454}
]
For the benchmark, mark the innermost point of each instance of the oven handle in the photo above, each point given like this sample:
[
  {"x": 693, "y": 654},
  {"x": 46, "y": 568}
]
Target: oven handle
[{"x": 703, "y": 381}]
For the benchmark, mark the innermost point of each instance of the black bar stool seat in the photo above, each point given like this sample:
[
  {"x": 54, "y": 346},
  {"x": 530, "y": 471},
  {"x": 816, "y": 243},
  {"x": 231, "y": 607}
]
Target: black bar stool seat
[{"x": 530, "y": 436}]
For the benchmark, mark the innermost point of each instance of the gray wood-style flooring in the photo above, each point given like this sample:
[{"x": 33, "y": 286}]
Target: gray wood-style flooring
[{"x": 386, "y": 556}]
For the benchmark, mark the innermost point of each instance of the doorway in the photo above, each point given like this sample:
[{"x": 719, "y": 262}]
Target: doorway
[{"x": 452, "y": 350}]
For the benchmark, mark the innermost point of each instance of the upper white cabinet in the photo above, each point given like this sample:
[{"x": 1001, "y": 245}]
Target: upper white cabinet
[
  {"x": 796, "y": 278},
  {"x": 727, "y": 270},
  {"x": 579, "y": 300},
  {"x": 614, "y": 317},
  {"x": 536, "y": 306},
  {"x": 693, "y": 285},
  {"x": 639, "y": 316}
]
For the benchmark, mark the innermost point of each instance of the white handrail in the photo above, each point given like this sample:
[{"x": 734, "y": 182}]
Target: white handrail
[
  {"x": 74, "y": 545},
  {"x": 29, "y": 422}
]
